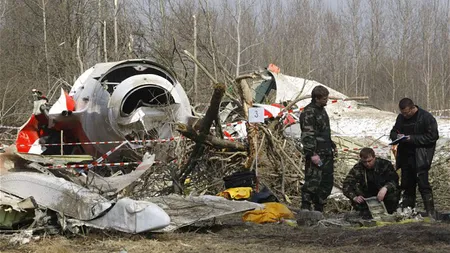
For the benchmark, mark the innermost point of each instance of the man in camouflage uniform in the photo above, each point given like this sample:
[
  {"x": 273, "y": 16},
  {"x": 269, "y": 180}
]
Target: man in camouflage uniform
[
  {"x": 370, "y": 177},
  {"x": 318, "y": 150}
]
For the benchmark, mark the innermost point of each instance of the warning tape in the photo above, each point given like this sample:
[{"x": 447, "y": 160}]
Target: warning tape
[
  {"x": 377, "y": 135},
  {"x": 443, "y": 110},
  {"x": 9, "y": 127},
  {"x": 281, "y": 114},
  {"x": 81, "y": 166},
  {"x": 356, "y": 149},
  {"x": 103, "y": 157},
  {"x": 234, "y": 123},
  {"x": 78, "y": 166},
  {"x": 105, "y": 142},
  {"x": 301, "y": 108}
]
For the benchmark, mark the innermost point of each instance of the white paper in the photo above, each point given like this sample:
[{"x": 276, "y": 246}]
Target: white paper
[
  {"x": 398, "y": 140},
  {"x": 256, "y": 115}
]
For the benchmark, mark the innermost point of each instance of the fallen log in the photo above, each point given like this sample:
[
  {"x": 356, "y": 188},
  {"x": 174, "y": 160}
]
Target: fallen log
[
  {"x": 252, "y": 132},
  {"x": 209, "y": 140},
  {"x": 206, "y": 122}
]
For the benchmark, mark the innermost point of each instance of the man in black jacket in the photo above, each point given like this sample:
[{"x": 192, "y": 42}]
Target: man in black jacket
[{"x": 415, "y": 152}]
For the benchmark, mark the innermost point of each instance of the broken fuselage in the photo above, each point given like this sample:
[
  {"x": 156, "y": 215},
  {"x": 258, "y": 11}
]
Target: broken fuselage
[{"x": 110, "y": 102}]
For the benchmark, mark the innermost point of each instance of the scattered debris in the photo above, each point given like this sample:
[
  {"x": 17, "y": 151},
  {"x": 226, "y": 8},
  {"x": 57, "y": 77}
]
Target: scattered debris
[
  {"x": 130, "y": 216},
  {"x": 55, "y": 193},
  {"x": 184, "y": 211},
  {"x": 15, "y": 211},
  {"x": 137, "y": 137}
]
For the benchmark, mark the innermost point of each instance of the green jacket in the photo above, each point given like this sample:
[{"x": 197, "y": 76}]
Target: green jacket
[
  {"x": 362, "y": 182},
  {"x": 316, "y": 131}
]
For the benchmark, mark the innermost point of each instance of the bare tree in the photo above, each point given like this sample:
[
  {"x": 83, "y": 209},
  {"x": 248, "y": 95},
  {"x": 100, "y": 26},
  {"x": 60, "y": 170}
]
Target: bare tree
[
  {"x": 116, "y": 42},
  {"x": 355, "y": 28}
]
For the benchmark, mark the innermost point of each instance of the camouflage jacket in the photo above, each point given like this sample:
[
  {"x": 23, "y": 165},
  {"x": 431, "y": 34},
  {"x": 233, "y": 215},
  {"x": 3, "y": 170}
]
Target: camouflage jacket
[
  {"x": 316, "y": 132},
  {"x": 360, "y": 179}
]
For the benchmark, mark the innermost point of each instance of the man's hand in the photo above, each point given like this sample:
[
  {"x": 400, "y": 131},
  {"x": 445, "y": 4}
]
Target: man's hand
[
  {"x": 382, "y": 193},
  {"x": 359, "y": 199},
  {"x": 401, "y": 135},
  {"x": 315, "y": 159}
]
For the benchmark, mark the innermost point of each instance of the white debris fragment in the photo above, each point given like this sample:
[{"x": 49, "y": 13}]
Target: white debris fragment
[{"x": 21, "y": 238}]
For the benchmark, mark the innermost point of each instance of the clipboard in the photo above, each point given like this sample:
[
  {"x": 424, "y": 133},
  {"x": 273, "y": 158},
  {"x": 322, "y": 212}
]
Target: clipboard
[{"x": 398, "y": 140}]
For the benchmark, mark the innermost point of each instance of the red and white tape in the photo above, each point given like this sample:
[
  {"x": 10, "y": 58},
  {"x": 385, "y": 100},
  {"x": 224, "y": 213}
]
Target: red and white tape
[
  {"x": 80, "y": 166},
  {"x": 234, "y": 123},
  {"x": 269, "y": 115},
  {"x": 84, "y": 166},
  {"x": 438, "y": 111},
  {"x": 9, "y": 127},
  {"x": 103, "y": 157},
  {"x": 356, "y": 149},
  {"x": 107, "y": 142}
]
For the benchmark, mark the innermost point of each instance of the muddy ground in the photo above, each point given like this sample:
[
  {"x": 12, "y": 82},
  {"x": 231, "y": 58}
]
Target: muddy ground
[{"x": 236, "y": 236}]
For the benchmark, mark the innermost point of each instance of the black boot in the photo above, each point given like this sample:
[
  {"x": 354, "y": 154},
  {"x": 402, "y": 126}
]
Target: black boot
[
  {"x": 306, "y": 206},
  {"x": 428, "y": 203},
  {"x": 408, "y": 201},
  {"x": 318, "y": 207},
  {"x": 365, "y": 214}
]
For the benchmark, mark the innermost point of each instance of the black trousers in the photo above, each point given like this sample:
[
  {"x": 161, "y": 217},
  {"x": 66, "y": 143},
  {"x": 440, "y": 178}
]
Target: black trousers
[{"x": 411, "y": 178}]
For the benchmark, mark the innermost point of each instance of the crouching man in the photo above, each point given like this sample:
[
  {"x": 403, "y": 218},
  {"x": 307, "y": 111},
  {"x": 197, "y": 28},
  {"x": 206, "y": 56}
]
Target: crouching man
[{"x": 370, "y": 177}]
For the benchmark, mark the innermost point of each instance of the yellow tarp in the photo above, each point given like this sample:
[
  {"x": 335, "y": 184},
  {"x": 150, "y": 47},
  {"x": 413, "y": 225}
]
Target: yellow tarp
[
  {"x": 272, "y": 212},
  {"x": 236, "y": 193}
]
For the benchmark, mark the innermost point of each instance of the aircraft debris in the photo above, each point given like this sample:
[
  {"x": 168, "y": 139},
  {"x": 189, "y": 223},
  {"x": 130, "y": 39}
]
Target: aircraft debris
[
  {"x": 126, "y": 106},
  {"x": 56, "y": 193},
  {"x": 129, "y": 216},
  {"x": 114, "y": 184},
  {"x": 15, "y": 211},
  {"x": 115, "y": 101},
  {"x": 184, "y": 211}
]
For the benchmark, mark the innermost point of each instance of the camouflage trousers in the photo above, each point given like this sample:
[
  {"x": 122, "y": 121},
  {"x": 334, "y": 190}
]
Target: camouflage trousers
[{"x": 318, "y": 183}]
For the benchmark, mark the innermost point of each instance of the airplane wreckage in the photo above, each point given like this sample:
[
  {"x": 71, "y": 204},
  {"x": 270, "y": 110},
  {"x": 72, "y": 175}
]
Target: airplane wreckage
[{"x": 115, "y": 113}]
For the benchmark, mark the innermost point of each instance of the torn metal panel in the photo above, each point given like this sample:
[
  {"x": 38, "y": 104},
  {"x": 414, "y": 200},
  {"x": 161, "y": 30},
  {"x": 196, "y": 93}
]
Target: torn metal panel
[
  {"x": 184, "y": 211},
  {"x": 9, "y": 218},
  {"x": 14, "y": 211},
  {"x": 17, "y": 203},
  {"x": 56, "y": 194},
  {"x": 115, "y": 184},
  {"x": 130, "y": 216}
]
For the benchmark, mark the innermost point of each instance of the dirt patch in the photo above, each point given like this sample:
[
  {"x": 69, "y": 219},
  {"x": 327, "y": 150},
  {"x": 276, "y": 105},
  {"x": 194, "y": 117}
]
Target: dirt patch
[{"x": 246, "y": 237}]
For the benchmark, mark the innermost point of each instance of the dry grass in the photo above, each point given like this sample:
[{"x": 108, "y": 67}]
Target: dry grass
[{"x": 235, "y": 236}]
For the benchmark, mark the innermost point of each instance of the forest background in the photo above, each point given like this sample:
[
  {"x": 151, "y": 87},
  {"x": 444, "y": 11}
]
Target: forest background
[{"x": 384, "y": 49}]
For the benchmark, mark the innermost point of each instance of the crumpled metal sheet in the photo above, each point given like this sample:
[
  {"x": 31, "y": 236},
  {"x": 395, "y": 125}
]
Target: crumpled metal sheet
[
  {"x": 115, "y": 184},
  {"x": 14, "y": 210},
  {"x": 184, "y": 211},
  {"x": 130, "y": 216},
  {"x": 55, "y": 193}
]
